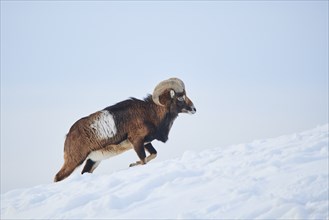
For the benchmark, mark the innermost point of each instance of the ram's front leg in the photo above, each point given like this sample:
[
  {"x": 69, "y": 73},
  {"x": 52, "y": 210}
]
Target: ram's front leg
[
  {"x": 139, "y": 149},
  {"x": 153, "y": 153}
]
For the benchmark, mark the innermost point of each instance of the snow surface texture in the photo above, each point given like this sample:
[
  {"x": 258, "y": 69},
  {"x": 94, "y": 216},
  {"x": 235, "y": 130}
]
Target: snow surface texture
[{"x": 284, "y": 177}]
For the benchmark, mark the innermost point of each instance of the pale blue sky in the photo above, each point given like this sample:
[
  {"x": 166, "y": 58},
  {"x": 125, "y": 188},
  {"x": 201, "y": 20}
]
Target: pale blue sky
[{"x": 254, "y": 69}]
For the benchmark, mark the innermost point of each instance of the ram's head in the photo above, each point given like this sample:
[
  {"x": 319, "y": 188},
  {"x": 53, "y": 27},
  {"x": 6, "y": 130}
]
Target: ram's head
[{"x": 171, "y": 93}]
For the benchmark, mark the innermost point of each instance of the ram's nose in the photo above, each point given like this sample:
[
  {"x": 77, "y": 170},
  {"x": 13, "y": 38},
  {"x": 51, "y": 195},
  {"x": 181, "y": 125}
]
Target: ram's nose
[{"x": 193, "y": 110}]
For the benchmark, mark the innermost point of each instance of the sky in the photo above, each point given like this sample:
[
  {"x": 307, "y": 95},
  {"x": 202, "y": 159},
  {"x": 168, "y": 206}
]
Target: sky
[{"x": 254, "y": 70}]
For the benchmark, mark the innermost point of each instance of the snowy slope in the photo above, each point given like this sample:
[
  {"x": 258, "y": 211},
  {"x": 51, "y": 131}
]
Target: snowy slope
[{"x": 284, "y": 177}]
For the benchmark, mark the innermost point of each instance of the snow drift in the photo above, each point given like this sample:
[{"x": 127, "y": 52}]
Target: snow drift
[{"x": 284, "y": 177}]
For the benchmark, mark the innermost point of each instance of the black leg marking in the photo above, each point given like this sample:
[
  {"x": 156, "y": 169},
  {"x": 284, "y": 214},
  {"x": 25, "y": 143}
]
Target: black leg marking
[
  {"x": 88, "y": 166},
  {"x": 149, "y": 147}
]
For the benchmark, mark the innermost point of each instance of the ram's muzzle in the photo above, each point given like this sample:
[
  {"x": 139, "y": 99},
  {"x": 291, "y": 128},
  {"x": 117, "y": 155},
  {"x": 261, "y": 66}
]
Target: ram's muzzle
[{"x": 189, "y": 107}]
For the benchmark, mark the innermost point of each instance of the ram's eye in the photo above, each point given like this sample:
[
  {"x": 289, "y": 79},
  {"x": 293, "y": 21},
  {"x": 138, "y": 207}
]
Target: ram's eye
[{"x": 181, "y": 98}]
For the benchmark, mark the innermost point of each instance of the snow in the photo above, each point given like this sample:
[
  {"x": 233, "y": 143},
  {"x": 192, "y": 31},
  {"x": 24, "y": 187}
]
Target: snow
[{"x": 278, "y": 178}]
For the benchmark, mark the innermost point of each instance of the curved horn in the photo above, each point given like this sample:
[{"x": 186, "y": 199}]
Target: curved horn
[{"x": 173, "y": 83}]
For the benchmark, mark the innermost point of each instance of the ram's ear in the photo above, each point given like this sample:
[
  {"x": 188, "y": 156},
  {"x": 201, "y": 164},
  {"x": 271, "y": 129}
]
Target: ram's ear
[{"x": 172, "y": 93}]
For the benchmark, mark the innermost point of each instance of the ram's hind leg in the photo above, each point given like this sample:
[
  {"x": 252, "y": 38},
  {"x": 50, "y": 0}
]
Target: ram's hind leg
[{"x": 90, "y": 166}]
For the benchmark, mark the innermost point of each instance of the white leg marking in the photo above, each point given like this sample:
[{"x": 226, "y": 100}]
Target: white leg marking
[{"x": 150, "y": 157}]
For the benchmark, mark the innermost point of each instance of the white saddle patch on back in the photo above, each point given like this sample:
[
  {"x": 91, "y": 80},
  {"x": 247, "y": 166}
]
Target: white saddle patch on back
[{"x": 104, "y": 125}]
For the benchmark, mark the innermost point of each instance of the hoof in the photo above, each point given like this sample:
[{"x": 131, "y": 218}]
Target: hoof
[{"x": 137, "y": 163}]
